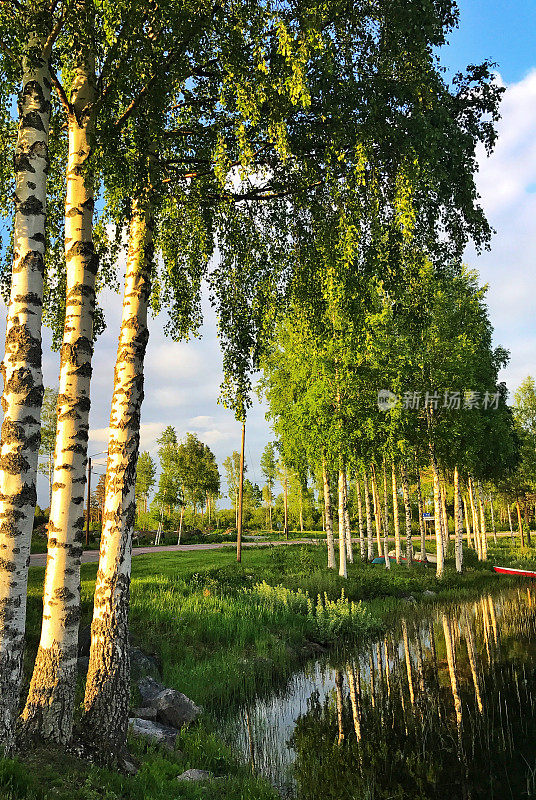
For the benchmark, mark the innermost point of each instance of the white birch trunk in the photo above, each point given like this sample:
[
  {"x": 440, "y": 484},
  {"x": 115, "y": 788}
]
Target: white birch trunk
[
  {"x": 476, "y": 530},
  {"x": 21, "y": 371},
  {"x": 385, "y": 501},
  {"x": 342, "y": 538},
  {"x": 407, "y": 509},
  {"x": 377, "y": 512},
  {"x": 347, "y": 531},
  {"x": 108, "y": 680},
  {"x": 483, "y": 532},
  {"x": 458, "y": 527},
  {"x": 370, "y": 536},
  {"x": 422, "y": 524},
  {"x": 492, "y": 519},
  {"x": 467, "y": 527},
  {"x": 329, "y": 516},
  {"x": 396, "y": 521},
  {"x": 437, "y": 517},
  {"x": 510, "y": 524},
  {"x": 362, "y": 545},
  {"x": 50, "y": 704}
]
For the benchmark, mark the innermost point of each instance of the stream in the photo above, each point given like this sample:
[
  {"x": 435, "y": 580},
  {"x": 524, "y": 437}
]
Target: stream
[{"x": 442, "y": 706}]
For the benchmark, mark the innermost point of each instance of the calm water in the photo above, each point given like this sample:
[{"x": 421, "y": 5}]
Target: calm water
[{"x": 441, "y": 707}]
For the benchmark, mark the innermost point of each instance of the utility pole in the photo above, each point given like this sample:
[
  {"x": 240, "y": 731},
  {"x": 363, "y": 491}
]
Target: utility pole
[
  {"x": 88, "y": 499},
  {"x": 240, "y": 492}
]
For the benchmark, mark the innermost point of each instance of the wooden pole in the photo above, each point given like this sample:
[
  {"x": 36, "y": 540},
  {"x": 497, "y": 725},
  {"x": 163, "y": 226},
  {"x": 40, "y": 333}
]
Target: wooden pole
[
  {"x": 240, "y": 492},
  {"x": 88, "y": 500}
]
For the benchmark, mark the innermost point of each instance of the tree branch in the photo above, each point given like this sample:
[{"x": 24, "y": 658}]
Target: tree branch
[
  {"x": 60, "y": 91},
  {"x": 173, "y": 55}
]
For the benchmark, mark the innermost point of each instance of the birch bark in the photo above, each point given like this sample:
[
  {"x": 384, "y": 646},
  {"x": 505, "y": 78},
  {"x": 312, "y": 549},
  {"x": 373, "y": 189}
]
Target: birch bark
[
  {"x": 108, "y": 681},
  {"x": 370, "y": 536},
  {"x": 458, "y": 525},
  {"x": 396, "y": 521},
  {"x": 422, "y": 524},
  {"x": 329, "y": 516},
  {"x": 342, "y": 538},
  {"x": 437, "y": 517},
  {"x": 377, "y": 512},
  {"x": 407, "y": 508},
  {"x": 21, "y": 371},
  {"x": 347, "y": 531},
  {"x": 362, "y": 545},
  {"x": 49, "y": 707},
  {"x": 483, "y": 532}
]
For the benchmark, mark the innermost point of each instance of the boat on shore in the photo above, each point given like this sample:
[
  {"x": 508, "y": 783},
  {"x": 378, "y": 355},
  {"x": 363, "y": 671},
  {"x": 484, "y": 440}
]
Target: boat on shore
[{"x": 522, "y": 573}]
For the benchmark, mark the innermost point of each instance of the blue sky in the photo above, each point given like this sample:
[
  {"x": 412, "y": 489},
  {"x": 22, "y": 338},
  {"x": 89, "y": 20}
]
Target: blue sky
[{"x": 182, "y": 380}]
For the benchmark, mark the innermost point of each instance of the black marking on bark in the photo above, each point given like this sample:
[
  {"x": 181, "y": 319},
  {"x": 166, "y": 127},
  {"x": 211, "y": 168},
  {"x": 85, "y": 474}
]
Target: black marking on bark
[
  {"x": 33, "y": 92},
  {"x": 80, "y": 249},
  {"x": 38, "y": 237},
  {"x": 22, "y": 163},
  {"x": 30, "y": 297},
  {"x": 32, "y": 119},
  {"x": 32, "y": 260},
  {"x": 31, "y": 207},
  {"x": 14, "y": 463},
  {"x": 23, "y": 346},
  {"x": 31, "y": 184}
]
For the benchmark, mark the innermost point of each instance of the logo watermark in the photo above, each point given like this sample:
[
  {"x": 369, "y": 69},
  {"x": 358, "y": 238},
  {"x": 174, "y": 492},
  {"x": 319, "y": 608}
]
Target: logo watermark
[{"x": 415, "y": 401}]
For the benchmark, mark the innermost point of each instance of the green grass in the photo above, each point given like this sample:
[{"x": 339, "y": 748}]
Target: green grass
[{"x": 224, "y": 632}]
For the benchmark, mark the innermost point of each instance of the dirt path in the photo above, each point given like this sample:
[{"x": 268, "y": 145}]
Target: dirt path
[{"x": 40, "y": 559}]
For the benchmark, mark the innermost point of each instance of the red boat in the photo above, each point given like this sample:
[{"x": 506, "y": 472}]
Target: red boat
[{"x": 523, "y": 573}]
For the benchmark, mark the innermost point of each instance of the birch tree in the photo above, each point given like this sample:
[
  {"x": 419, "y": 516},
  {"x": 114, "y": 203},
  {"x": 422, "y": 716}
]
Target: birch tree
[{"x": 21, "y": 367}]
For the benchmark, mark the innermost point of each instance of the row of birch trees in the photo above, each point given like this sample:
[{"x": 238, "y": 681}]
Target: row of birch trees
[
  {"x": 407, "y": 384},
  {"x": 274, "y": 151}
]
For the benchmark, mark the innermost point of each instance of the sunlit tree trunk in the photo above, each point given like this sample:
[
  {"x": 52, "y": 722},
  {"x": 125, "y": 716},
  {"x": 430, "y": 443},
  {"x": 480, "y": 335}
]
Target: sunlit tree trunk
[
  {"x": 458, "y": 526},
  {"x": 407, "y": 509},
  {"x": 451, "y": 661},
  {"x": 370, "y": 536},
  {"x": 339, "y": 701},
  {"x": 107, "y": 693},
  {"x": 471, "y": 654},
  {"x": 483, "y": 532},
  {"x": 510, "y": 524},
  {"x": 409, "y": 668},
  {"x": 444, "y": 519},
  {"x": 21, "y": 368},
  {"x": 362, "y": 545},
  {"x": 437, "y": 517},
  {"x": 377, "y": 512},
  {"x": 396, "y": 521},
  {"x": 420, "y": 511},
  {"x": 50, "y": 704},
  {"x": 347, "y": 531},
  {"x": 301, "y": 510},
  {"x": 354, "y": 682},
  {"x": 329, "y": 516},
  {"x": 342, "y": 538},
  {"x": 492, "y": 519},
  {"x": 467, "y": 526},
  {"x": 520, "y": 525},
  {"x": 476, "y": 528},
  {"x": 385, "y": 501}
]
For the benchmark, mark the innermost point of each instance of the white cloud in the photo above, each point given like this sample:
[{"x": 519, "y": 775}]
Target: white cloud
[{"x": 506, "y": 182}]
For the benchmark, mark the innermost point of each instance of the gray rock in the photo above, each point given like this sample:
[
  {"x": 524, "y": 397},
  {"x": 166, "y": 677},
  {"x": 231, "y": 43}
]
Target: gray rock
[
  {"x": 148, "y": 712},
  {"x": 428, "y": 593},
  {"x": 410, "y": 599},
  {"x": 130, "y": 768},
  {"x": 174, "y": 708},
  {"x": 149, "y": 689},
  {"x": 195, "y": 775},
  {"x": 153, "y": 732},
  {"x": 142, "y": 665},
  {"x": 82, "y": 664}
]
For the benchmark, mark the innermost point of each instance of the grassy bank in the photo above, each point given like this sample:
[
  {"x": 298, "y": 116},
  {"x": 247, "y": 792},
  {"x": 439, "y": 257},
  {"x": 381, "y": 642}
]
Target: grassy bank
[{"x": 222, "y": 633}]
